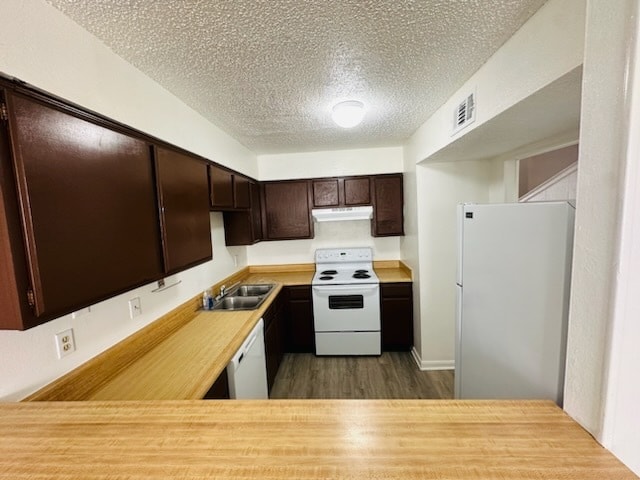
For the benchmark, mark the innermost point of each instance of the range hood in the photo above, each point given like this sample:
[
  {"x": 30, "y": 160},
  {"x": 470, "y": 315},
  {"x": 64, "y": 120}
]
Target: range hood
[{"x": 340, "y": 214}]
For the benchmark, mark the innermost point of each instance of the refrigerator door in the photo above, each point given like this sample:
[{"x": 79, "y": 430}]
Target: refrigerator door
[
  {"x": 516, "y": 261},
  {"x": 457, "y": 387}
]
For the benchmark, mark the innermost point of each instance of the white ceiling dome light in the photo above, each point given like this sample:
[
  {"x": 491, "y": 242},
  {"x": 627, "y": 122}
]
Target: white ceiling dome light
[{"x": 348, "y": 114}]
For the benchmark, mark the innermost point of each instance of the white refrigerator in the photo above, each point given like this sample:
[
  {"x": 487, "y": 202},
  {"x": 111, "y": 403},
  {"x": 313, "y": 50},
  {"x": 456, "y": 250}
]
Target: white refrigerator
[{"x": 513, "y": 278}]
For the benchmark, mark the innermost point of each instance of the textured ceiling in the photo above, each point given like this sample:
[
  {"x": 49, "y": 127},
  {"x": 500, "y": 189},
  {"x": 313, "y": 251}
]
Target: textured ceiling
[{"x": 269, "y": 71}]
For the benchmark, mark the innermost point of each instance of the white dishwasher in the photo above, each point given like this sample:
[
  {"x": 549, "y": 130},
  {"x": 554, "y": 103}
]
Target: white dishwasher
[{"x": 247, "y": 370}]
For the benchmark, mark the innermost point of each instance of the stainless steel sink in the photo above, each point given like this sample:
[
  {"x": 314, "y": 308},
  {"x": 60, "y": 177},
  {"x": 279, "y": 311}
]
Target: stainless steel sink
[
  {"x": 239, "y": 303},
  {"x": 251, "y": 290},
  {"x": 244, "y": 297}
]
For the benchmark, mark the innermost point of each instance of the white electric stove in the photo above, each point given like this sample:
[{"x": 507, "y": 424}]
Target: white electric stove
[{"x": 346, "y": 302}]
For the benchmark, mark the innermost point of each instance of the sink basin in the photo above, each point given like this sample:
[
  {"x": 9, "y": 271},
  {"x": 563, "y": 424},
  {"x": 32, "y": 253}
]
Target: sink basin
[
  {"x": 239, "y": 303},
  {"x": 251, "y": 290}
]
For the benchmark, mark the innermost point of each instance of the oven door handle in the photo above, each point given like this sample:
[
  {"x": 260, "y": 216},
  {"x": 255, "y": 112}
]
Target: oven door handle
[{"x": 346, "y": 288}]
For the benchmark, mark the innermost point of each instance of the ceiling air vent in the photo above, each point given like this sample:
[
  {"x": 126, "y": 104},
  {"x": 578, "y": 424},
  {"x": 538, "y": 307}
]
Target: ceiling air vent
[{"x": 465, "y": 113}]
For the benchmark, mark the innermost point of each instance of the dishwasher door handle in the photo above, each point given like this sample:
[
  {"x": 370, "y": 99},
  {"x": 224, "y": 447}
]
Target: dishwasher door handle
[{"x": 247, "y": 348}]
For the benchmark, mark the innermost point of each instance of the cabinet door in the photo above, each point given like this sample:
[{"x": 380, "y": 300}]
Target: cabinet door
[
  {"x": 221, "y": 187},
  {"x": 220, "y": 388},
  {"x": 326, "y": 192},
  {"x": 357, "y": 191},
  {"x": 256, "y": 212},
  {"x": 241, "y": 192},
  {"x": 88, "y": 206},
  {"x": 184, "y": 205},
  {"x": 397, "y": 316},
  {"x": 15, "y": 311},
  {"x": 274, "y": 338},
  {"x": 300, "y": 334},
  {"x": 387, "y": 205},
  {"x": 286, "y": 212},
  {"x": 273, "y": 351},
  {"x": 244, "y": 227}
]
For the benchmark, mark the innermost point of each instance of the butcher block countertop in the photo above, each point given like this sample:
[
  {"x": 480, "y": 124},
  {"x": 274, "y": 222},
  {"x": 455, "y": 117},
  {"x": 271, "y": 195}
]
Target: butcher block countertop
[
  {"x": 179, "y": 356},
  {"x": 300, "y": 439}
]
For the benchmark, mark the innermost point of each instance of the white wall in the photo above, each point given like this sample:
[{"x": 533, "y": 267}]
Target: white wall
[
  {"x": 43, "y": 47},
  {"x": 600, "y": 183},
  {"x": 410, "y": 243},
  {"x": 547, "y": 47},
  {"x": 441, "y": 188},
  {"x": 621, "y": 426},
  {"x": 330, "y": 163},
  {"x": 602, "y": 390},
  {"x": 366, "y": 161}
]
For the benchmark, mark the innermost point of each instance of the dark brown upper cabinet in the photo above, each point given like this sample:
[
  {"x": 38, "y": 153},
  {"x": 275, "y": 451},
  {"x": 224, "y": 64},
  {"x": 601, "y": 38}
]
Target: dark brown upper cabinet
[
  {"x": 326, "y": 192},
  {"x": 286, "y": 210},
  {"x": 357, "y": 191},
  {"x": 241, "y": 192},
  {"x": 286, "y": 207},
  {"x": 256, "y": 212},
  {"x": 244, "y": 227},
  {"x": 221, "y": 187},
  {"x": 183, "y": 194},
  {"x": 228, "y": 189},
  {"x": 341, "y": 191},
  {"x": 388, "y": 203},
  {"x": 79, "y": 216}
]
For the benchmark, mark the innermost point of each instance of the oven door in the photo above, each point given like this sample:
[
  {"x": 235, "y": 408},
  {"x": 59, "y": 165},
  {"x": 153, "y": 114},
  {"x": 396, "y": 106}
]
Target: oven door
[{"x": 346, "y": 308}]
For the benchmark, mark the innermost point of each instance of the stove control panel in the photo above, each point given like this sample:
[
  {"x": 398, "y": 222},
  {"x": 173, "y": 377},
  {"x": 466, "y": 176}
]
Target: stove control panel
[{"x": 346, "y": 255}]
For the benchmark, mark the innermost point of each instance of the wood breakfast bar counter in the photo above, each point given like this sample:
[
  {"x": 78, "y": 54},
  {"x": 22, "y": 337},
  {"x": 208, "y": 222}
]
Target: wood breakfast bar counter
[{"x": 299, "y": 439}]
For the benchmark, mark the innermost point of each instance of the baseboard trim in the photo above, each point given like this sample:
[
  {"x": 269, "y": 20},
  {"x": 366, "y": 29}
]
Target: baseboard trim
[{"x": 432, "y": 364}]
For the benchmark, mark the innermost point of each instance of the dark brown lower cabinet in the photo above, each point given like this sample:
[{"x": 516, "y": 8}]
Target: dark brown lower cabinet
[
  {"x": 274, "y": 340},
  {"x": 300, "y": 333},
  {"x": 220, "y": 388},
  {"x": 396, "y": 301}
]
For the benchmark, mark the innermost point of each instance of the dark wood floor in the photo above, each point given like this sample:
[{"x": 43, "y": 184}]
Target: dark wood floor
[{"x": 392, "y": 375}]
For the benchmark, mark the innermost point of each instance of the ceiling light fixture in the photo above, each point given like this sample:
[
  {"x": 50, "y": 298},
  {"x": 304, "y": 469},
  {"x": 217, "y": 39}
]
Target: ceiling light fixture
[{"x": 348, "y": 114}]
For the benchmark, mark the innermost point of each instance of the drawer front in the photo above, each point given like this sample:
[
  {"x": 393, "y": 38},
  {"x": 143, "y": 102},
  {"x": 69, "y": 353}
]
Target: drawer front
[
  {"x": 389, "y": 290},
  {"x": 300, "y": 292}
]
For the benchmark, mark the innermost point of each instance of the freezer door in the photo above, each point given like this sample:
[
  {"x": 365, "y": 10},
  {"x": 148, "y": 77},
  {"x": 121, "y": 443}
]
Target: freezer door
[
  {"x": 514, "y": 301},
  {"x": 460, "y": 236}
]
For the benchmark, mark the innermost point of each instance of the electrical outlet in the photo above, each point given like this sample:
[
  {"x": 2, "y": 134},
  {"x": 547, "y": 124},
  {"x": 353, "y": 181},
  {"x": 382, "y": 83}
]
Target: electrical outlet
[
  {"x": 134, "y": 307},
  {"x": 65, "y": 343}
]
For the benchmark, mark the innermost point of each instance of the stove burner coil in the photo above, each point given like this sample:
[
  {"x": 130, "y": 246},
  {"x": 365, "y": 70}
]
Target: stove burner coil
[
  {"x": 328, "y": 272},
  {"x": 362, "y": 271},
  {"x": 361, "y": 275},
  {"x": 326, "y": 277}
]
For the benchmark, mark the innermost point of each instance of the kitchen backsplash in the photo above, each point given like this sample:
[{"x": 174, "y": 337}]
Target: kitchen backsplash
[{"x": 327, "y": 235}]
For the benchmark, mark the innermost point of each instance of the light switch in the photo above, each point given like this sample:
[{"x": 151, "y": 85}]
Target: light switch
[{"x": 134, "y": 307}]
